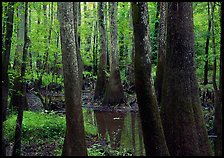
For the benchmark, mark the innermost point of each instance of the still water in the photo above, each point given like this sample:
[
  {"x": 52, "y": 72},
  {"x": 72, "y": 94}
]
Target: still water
[{"x": 122, "y": 129}]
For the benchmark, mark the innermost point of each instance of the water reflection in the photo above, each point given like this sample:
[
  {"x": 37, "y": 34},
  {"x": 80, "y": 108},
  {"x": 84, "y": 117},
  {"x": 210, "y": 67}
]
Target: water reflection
[{"x": 122, "y": 130}]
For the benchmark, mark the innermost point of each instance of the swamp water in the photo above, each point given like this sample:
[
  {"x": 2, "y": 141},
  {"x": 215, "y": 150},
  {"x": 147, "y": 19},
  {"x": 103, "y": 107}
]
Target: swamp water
[{"x": 121, "y": 129}]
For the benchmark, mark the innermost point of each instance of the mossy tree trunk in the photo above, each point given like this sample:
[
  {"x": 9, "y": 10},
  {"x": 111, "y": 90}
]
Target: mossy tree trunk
[
  {"x": 181, "y": 112},
  {"x": 218, "y": 107},
  {"x": 161, "y": 51},
  {"x": 101, "y": 76},
  {"x": 114, "y": 91},
  {"x": 154, "y": 139},
  {"x": 156, "y": 34},
  {"x": 74, "y": 143}
]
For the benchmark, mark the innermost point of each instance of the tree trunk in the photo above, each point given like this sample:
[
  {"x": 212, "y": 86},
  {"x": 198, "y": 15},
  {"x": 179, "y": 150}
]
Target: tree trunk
[
  {"x": 154, "y": 140},
  {"x": 155, "y": 35},
  {"x": 101, "y": 75},
  {"x": 133, "y": 118},
  {"x": 4, "y": 86},
  {"x": 18, "y": 131},
  {"x": 114, "y": 91},
  {"x": 181, "y": 112},
  {"x": 5, "y": 59},
  {"x": 74, "y": 144},
  {"x": 77, "y": 23},
  {"x": 95, "y": 34},
  {"x": 214, "y": 52},
  {"x": 20, "y": 37},
  {"x": 206, "y": 47},
  {"x": 218, "y": 107},
  {"x": 161, "y": 51}
]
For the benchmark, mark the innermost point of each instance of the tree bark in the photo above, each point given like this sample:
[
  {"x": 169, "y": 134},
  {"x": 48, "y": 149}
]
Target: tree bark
[
  {"x": 18, "y": 131},
  {"x": 181, "y": 112},
  {"x": 206, "y": 47},
  {"x": 156, "y": 33},
  {"x": 77, "y": 23},
  {"x": 5, "y": 62},
  {"x": 5, "y": 59},
  {"x": 154, "y": 140},
  {"x": 114, "y": 91},
  {"x": 74, "y": 144},
  {"x": 20, "y": 37},
  {"x": 101, "y": 75},
  {"x": 218, "y": 107},
  {"x": 161, "y": 51}
]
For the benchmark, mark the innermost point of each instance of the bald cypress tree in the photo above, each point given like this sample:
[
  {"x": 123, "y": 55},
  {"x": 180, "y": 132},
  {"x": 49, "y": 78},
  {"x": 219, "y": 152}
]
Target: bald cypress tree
[
  {"x": 154, "y": 140},
  {"x": 114, "y": 90},
  {"x": 219, "y": 96},
  {"x": 74, "y": 143},
  {"x": 101, "y": 75},
  {"x": 181, "y": 112},
  {"x": 161, "y": 51}
]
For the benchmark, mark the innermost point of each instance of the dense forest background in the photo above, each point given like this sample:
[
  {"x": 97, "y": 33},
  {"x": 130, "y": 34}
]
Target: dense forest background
[{"x": 34, "y": 91}]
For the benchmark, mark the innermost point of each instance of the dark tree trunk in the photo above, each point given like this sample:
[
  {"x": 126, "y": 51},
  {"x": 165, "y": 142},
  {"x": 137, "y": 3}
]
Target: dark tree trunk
[
  {"x": 5, "y": 62},
  {"x": 206, "y": 47},
  {"x": 218, "y": 107},
  {"x": 18, "y": 131},
  {"x": 114, "y": 91},
  {"x": 131, "y": 76},
  {"x": 101, "y": 76},
  {"x": 161, "y": 51},
  {"x": 181, "y": 112},
  {"x": 74, "y": 143},
  {"x": 154, "y": 140},
  {"x": 5, "y": 58}
]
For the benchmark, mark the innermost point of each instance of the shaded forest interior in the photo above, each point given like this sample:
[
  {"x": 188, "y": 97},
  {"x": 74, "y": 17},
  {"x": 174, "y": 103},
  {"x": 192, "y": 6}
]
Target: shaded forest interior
[{"x": 112, "y": 78}]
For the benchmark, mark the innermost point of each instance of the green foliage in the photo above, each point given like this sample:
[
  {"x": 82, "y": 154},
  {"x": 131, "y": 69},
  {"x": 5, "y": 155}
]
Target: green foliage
[{"x": 38, "y": 127}]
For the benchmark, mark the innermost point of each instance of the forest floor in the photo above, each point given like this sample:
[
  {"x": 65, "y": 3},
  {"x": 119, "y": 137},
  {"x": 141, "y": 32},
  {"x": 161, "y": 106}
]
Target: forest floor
[{"x": 52, "y": 148}]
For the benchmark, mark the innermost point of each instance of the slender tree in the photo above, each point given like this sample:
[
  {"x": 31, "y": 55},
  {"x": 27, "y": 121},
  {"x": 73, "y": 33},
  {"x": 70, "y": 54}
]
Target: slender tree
[
  {"x": 114, "y": 92},
  {"x": 161, "y": 51},
  {"x": 77, "y": 36},
  {"x": 207, "y": 46},
  {"x": 74, "y": 143},
  {"x": 7, "y": 40},
  {"x": 5, "y": 58},
  {"x": 101, "y": 75},
  {"x": 181, "y": 112},
  {"x": 18, "y": 131},
  {"x": 214, "y": 52},
  {"x": 154, "y": 140}
]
